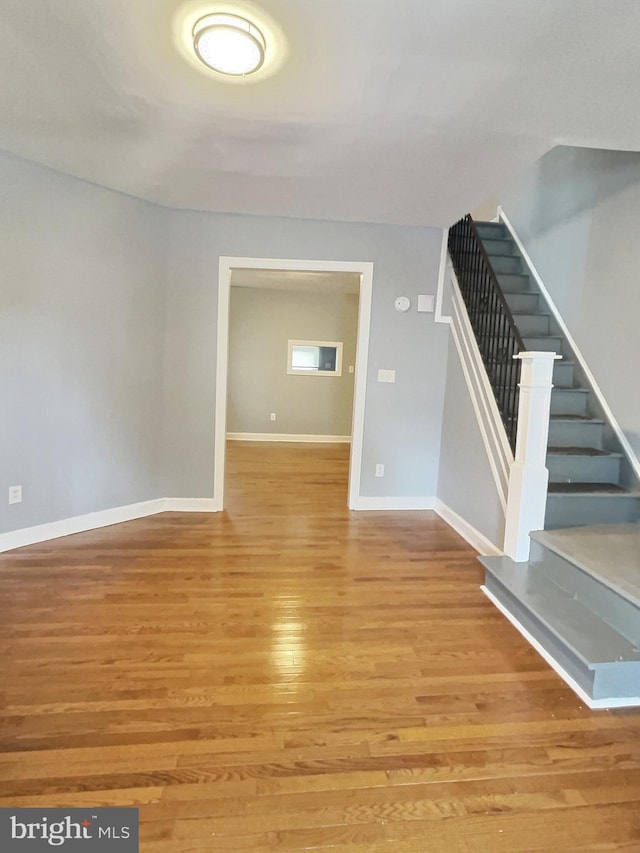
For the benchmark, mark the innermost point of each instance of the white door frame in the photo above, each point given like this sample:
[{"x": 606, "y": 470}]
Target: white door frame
[{"x": 365, "y": 268}]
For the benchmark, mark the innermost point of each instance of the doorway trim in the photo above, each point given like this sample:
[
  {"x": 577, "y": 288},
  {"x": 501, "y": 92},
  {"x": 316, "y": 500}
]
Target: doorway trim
[{"x": 226, "y": 265}]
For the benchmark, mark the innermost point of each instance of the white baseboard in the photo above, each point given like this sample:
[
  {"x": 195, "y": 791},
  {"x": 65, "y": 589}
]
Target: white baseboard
[
  {"x": 104, "y": 518},
  {"x": 284, "y": 436},
  {"x": 477, "y": 540},
  {"x": 190, "y": 505},
  {"x": 593, "y": 704},
  {"x": 393, "y": 503}
]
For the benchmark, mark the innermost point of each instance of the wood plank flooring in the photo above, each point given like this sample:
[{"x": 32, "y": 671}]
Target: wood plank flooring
[{"x": 289, "y": 676}]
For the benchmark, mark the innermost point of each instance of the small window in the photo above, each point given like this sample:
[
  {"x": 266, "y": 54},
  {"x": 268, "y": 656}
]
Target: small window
[{"x": 315, "y": 358}]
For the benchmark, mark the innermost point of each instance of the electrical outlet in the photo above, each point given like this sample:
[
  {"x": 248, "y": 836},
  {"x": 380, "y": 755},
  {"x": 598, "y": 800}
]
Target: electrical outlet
[
  {"x": 15, "y": 494},
  {"x": 273, "y": 416},
  {"x": 379, "y": 470}
]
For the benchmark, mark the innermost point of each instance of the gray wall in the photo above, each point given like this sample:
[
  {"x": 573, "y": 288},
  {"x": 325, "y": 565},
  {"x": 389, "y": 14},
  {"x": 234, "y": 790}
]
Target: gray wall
[
  {"x": 577, "y": 211},
  {"x": 261, "y": 322},
  {"x": 108, "y": 338},
  {"x": 402, "y": 421},
  {"x": 81, "y": 331},
  {"x": 466, "y": 484}
]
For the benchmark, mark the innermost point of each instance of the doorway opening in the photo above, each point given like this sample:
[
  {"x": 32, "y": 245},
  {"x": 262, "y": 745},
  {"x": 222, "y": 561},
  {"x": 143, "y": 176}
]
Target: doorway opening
[{"x": 364, "y": 271}]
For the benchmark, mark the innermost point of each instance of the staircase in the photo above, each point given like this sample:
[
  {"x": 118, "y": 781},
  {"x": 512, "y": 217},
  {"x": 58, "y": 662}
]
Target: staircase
[
  {"x": 590, "y": 479},
  {"x": 577, "y": 598}
]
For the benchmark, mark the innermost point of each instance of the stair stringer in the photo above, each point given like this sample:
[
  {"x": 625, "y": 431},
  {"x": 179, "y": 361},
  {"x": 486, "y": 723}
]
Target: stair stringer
[{"x": 492, "y": 430}]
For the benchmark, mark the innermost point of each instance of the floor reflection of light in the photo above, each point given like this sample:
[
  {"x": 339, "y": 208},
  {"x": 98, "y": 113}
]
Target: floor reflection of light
[{"x": 288, "y": 654}]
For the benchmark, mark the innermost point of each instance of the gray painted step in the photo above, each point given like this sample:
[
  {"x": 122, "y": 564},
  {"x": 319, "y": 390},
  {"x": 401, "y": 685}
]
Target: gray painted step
[
  {"x": 503, "y": 264},
  {"x": 586, "y": 489},
  {"x": 582, "y": 508},
  {"x": 522, "y": 303},
  {"x": 566, "y": 401},
  {"x": 569, "y": 401},
  {"x": 610, "y": 554},
  {"x": 583, "y": 465},
  {"x": 575, "y": 431},
  {"x": 532, "y": 324},
  {"x": 491, "y": 230},
  {"x": 563, "y": 374},
  {"x": 543, "y": 343},
  {"x": 499, "y": 246},
  {"x": 513, "y": 282},
  {"x": 603, "y": 662}
]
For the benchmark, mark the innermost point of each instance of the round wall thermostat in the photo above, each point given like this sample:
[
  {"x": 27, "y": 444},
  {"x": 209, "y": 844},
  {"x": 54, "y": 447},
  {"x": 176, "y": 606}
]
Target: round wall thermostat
[{"x": 402, "y": 303}]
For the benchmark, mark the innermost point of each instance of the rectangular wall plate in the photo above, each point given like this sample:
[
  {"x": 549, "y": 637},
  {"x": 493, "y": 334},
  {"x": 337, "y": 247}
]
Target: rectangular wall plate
[
  {"x": 426, "y": 303},
  {"x": 386, "y": 376}
]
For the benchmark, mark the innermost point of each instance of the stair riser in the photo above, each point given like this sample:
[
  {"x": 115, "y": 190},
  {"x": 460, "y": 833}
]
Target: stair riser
[
  {"x": 583, "y": 469},
  {"x": 618, "y": 611},
  {"x": 553, "y": 645},
  {"x": 573, "y": 511},
  {"x": 522, "y": 303},
  {"x": 503, "y": 264},
  {"x": 514, "y": 283},
  {"x": 532, "y": 324},
  {"x": 543, "y": 344},
  {"x": 575, "y": 434},
  {"x": 584, "y": 646},
  {"x": 496, "y": 248},
  {"x": 491, "y": 230},
  {"x": 569, "y": 402},
  {"x": 563, "y": 374}
]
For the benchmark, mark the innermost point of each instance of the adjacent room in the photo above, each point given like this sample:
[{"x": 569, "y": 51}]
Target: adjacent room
[{"x": 319, "y": 456}]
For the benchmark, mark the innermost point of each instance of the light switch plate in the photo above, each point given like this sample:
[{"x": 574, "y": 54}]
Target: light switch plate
[
  {"x": 426, "y": 303},
  {"x": 386, "y": 376}
]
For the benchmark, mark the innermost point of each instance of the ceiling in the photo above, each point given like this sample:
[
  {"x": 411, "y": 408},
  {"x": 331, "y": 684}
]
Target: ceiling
[{"x": 410, "y": 112}]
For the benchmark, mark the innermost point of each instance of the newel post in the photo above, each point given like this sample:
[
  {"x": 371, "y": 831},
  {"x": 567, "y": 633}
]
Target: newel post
[{"x": 529, "y": 477}]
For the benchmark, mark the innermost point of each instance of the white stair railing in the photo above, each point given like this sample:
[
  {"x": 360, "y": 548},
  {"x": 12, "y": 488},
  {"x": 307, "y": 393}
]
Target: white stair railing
[{"x": 529, "y": 477}]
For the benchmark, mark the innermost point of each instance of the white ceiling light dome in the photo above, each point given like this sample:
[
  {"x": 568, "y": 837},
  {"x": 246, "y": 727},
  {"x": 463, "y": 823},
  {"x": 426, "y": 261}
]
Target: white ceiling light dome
[{"x": 229, "y": 44}]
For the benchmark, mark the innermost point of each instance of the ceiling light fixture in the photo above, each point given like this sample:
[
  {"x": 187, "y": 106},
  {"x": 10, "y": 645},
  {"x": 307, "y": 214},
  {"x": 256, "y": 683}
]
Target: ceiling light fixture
[{"x": 229, "y": 44}]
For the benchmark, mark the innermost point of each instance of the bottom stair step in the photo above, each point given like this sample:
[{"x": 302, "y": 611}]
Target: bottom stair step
[
  {"x": 608, "y": 553},
  {"x": 592, "y": 655}
]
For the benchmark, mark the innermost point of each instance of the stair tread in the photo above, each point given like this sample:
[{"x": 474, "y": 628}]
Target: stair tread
[
  {"x": 587, "y": 488},
  {"x": 562, "y": 388},
  {"x": 610, "y": 553},
  {"x": 515, "y": 314},
  {"x": 582, "y": 451},
  {"x": 580, "y": 418},
  {"x": 588, "y": 636}
]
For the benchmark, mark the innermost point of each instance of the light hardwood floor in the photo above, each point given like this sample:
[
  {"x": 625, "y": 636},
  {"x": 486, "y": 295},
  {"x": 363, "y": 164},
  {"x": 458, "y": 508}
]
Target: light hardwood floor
[{"x": 290, "y": 676}]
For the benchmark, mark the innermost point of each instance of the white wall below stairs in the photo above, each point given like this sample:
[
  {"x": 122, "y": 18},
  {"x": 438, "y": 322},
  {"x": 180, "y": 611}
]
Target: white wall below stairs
[{"x": 576, "y": 211}]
